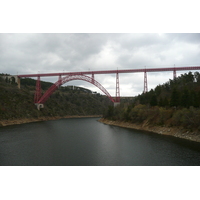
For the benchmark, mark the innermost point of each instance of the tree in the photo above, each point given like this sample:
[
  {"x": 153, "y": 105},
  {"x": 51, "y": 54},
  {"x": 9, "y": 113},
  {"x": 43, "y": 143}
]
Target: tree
[
  {"x": 153, "y": 101},
  {"x": 175, "y": 98},
  {"x": 194, "y": 99},
  {"x": 110, "y": 112},
  {"x": 1, "y": 79},
  {"x": 160, "y": 102},
  {"x": 185, "y": 98},
  {"x": 197, "y": 77},
  {"x": 6, "y": 79},
  {"x": 165, "y": 102}
]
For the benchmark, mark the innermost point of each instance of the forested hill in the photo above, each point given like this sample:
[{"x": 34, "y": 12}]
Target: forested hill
[
  {"x": 184, "y": 91},
  {"x": 174, "y": 103},
  {"x": 18, "y": 103}
]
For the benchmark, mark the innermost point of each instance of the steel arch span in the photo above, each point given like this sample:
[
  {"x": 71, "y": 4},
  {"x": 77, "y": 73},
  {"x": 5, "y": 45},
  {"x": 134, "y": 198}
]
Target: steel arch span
[{"x": 68, "y": 78}]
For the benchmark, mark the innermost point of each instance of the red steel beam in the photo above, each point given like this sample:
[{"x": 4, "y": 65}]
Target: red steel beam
[
  {"x": 70, "y": 78},
  {"x": 113, "y": 71}
]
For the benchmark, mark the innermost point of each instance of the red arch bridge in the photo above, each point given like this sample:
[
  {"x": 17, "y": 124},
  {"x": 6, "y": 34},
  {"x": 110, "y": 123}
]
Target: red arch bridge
[{"x": 88, "y": 76}]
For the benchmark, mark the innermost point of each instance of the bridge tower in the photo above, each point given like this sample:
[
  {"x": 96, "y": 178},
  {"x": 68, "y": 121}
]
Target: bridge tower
[
  {"x": 174, "y": 72},
  {"x": 38, "y": 94},
  {"x": 145, "y": 82},
  {"x": 117, "y": 99},
  {"x": 59, "y": 79},
  {"x": 92, "y": 78}
]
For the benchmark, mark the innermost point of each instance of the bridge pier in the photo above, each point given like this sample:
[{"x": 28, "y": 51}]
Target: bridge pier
[
  {"x": 117, "y": 88},
  {"x": 59, "y": 80},
  {"x": 145, "y": 82},
  {"x": 92, "y": 78},
  {"x": 174, "y": 73},
  {"x": 12, "y": 79},
  {"x": 38, "y": 92},
  {"x": 39, "y": 105}
]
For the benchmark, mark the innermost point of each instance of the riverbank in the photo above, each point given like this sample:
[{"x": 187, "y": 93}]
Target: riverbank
[
  {"x": 29, "y": 120},
  {"x": 173, "y": 131}
]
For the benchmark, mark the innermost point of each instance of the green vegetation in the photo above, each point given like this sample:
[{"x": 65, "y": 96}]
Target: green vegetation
[
  {"x": 175, "y": 103},
  {"x": 182, "y": 92},
  {"x": 18, "y": 104},
  {"x": 28, "y": 82}
]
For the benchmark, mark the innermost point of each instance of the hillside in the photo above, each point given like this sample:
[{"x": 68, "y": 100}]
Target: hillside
[
  {"x": 173, "y": 104},
  {"x": 18, "y": 103}
]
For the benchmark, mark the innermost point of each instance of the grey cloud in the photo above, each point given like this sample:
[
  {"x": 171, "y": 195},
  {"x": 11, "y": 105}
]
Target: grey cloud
[
  {"x": 185, "y": 37},
  {"x": 30, "y": 53}
]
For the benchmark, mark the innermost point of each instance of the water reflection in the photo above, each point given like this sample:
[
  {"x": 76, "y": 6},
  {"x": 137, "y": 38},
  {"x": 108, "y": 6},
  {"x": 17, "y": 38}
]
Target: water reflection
[{"x": 88, "y": 142}]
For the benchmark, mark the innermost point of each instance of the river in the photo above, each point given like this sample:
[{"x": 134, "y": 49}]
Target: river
[{"x": 87, "y": 142}]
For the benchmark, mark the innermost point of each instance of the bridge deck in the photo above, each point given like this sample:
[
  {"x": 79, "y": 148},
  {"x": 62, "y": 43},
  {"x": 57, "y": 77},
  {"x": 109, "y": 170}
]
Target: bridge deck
[{"x": 114, "y": 71}]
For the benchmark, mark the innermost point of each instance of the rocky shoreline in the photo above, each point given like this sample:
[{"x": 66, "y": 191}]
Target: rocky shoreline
[
  {"x": 29, "y": 120},
  {"x": 173, "y": 131}
]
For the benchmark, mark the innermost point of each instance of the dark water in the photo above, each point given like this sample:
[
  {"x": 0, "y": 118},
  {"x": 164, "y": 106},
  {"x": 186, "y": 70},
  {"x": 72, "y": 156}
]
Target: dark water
[{"x": 86, "y": 142}]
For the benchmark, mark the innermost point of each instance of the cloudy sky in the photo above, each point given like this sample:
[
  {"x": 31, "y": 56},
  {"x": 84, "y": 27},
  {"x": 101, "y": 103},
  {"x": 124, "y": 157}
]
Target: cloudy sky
[{"x": 46, "y": 53}]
